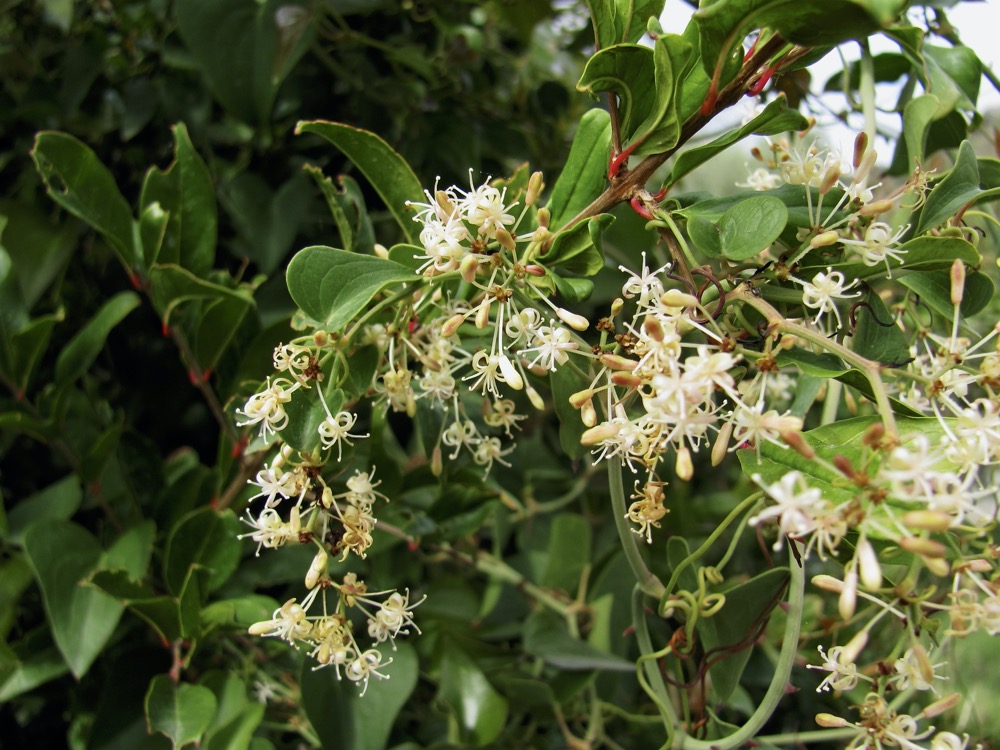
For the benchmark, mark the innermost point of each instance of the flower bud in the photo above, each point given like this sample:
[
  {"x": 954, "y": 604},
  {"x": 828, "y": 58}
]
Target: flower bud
[
  {"x": 535, "y": 187},
  {"x": 677, "y": 298},
  {"x": 320, "y": 338},
  {"x": 381, "y": 251},
  {"x": 535, "y": 398},
  {"x": 510, "y": 374},
  {"x": 829, "y": 721},
  {"x": 684, "y": 466},
  {"x": 923, "y": 547},
  {"x": 823, "y": 239},
  {"x": 830, "y": 178},
  {"x": 619, "y": 303},
  {"x": 544, "y": 216},
  {"x": 578, "y": 399},
  {"x": 468, "y": 267},
  {"x": 598, "y": 434},
  {"x": 721, "y": 446},
  {"x": 483, "y": 315},
  {"x": 626, "y": 379},
  {"x": 848, "y": 595},
  {"x": 876, "y": 207},
  {"x": 940, "y": 706},
  {"x": 927, "y": 520},
  {"x": 533, "y": 269},
  {"x": 316, "y": 569},
  {"x": 588, "y": 414},
  {"x": 617, "y": 362},
  {"x": 653, "y": 328},
  {"x": 936, "y": 565},
  {"x": 437, "y": 461},
  {"x": 574, "y": 321},
  {"x": 827, "y": 583},
  {"x": 957, "y": 281},
  {"x": 327, "y": 498},
  {"x": 506, "y": 239},
  {"x": 444, "y": 202},
  {"x": 451, "y": 326},
  {"x": 855, "y": 646},
  {"x": 860, "y": 148},
  {"x": 796, "y": 442},
  {"x": 871, "y": 571}
]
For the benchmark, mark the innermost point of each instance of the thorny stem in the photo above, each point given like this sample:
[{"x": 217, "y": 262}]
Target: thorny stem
[
  {"x": 648, "y": 581},
  {"x": 634, "y": 180},
  {"x": 871, "y": 370}
]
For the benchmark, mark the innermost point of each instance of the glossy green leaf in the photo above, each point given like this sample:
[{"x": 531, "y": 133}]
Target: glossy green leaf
[
  {"x": 568, "y": 552},
  {"x": 236, "y": 717},
  {"x": 546, "y": 637},
  {"x": 953, "y": 75},
  {"x": 21, "y": 351},
  {"x": 585, "y": 173},
  {"x": 186, "y": 193},
  {"x": 205, "y": 538},
  {"x": 876, "y": 335},
  {"x": 22, "y": 670},
  {"x": 81, "y": 351},
  {"x": 345, "y": 720},
  {"x": 245, "y": 48},
  {"x": 573, "y": 290},
  {"x": 744, "y": 230},
  {"x": 219, "y": 323},
  {"x": 934, "y": 289},
  {"x": 160, "y": 612},
  {"x": 480, "y": 708},
  {"x": 57, "y": 502},
  {"x": 958, "y": 189},
  {"x": 818, "y": 365},
  {"x": 181, "y": 712},
  {"x": 626, "y": 70},
  {"x": 775, "y": 118},
  {"x": 82, "y": 619},
  {"x": 171, "y": 285},
  {"x": 920, "y": 254},
  {"x": 580, "y": 249},
  {"x": 617, "y": 21},
  {"x": 661, "y": 130},
  {"x": 333, "y": 286},
  {"x": 565, "y": 383},
  {"x": 918, "y": 114},
  {"x": 38, "y": 248},
  {"x": 347, "y": 207},
  {"x": 305, "y": 414},
  {"x": 728, "y": 636},
  {"x": 387, "y": 171},
  {"x": 77, "y": 180}
]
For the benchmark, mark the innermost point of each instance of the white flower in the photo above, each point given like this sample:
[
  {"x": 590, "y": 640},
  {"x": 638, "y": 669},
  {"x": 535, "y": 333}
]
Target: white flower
[
  {"x": 366, "y": 665},
  {"x": 267, "y": 408},
  {"x": 820, "y": 293},
  {"x": 336, "y": 429},
  {"x": 273, "y": 482},
  {"x": 797, "y": 506},
  {"x": 843, "y": 675},
  {"x": 879, "y": 244},
  {"x": 646, "y": 285},
  {"x": 761, "y": 179},
  {"x": 484, "y": 208},
  {"x": 551, "y": 345}
]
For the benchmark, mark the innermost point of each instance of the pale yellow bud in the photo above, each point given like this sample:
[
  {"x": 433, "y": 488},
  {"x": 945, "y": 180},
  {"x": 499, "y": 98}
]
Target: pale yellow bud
[
  {"x": 823, "y": 239},
  {"x": 871, "y": 571},
  {"x": 957, "y": 282},
  {"x": 855, "y": 646},
  {"x": 451, "y": 326},
  {"x": 544, "y": 216},
  {"x": 469, "y": 267},
  {"x": 828, "y": 583},
  {"x": 320, "y": 338},
  {"x": 444, "y": 202},
  {"x": 574, "y": 321},
  {"x": 483, "y": 315},
  {"x": 923, "y": 547},
  {"x": 829, "y": 721},
  {"x": 626, "y": 379},
  {"x": 535, "y": 187},
  {"x": 677, "y": 298},
  {"x": 618, "y": 362},
  {"x": 588, "y": 414},
  {"x": 381, "y": 251},
  {"x": 506, "y": 240},
  {"x": 316, "y": 569},
  {"x": 653, "y": 328},
  {"x": 598, "y": 434},
  {"x": 619, "y": 303},
  {"x": 721, "y": 446},
  {"x": 684, "y": 466},
  {"x": 510, "y": 374},
  {"x": 533, "y": 269},
  {"x": 936, "y": 565},
  {"x": 938, "y": 707},
  {"x": 535, "y": 398},
  {"x": 327, "y": 498},
  {"x": 876, "y": 207},
  {"x": 437, "y": 461},
  {"x": 848, "y": 596},
  {"x": 929, "y": 520}
]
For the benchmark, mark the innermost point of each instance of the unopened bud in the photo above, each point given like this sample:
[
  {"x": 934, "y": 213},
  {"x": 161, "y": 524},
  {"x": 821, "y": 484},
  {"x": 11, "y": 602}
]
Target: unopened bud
[
  {"x": 829, "y": 721},
  {"x": 823, "y": 239},
  {"x": 855, "y": 646},
  {"x": 923, "y": 547},
  {"x": 873, "y": 435},
  {"x": 957, "y": 281},
  {"x": 626, "y": 379},
  {"x": 483, "y": 315},
  {"x": 860, "y": 147},
  {"x": 721, "y": 446},
  {"x": 510, "y": 374},
  {"x": 830, "y": 179},
  {"x": 684, "y": 467},
  {"x": 437, "y": 461},
  {"x": 326, "y": 500},
  {"x": 574, "y": 321},
  {"x": 865, "y": 166},
  {"x": 533, "y": 269},
  {"x": 543, "y": 217},
  {"x": 677, "y": 298},
  {"x": 871, "y": 571},
  {"x": 588, "y": 414},
  {"x": 844, "y": 466},
  {"x": 796, "y": 442},
  {"x": 927, "y": 520},
  {"x": 617, "y": 362},
  {"x": 828, "y": 583},
  {"x": 320, "y": 338},
  {"x": 535, "y": 398},
  {"x": 316, "y": 569},
  {"x": 936, "y": 565},
  {"x": 535, "y": 187},
  {"x": 468, "y": 268},
  {"x": 876, "y": 207},
  {"x": 653, "y": 328},
  {"x": 938, "y": 707},
  {"x": 619, "y": 303},
  {"x": 756, "y": 154},
  {"x": 452, "y": 325},
  {"x": 381, "y": 251},
  {"x": 848, "y": 596},
  {"x": 578, "y": 399},
  {"x": 444, "y": 202},
  {"x": 598, "y": 434},
  {"x": 506, "y": 239}
]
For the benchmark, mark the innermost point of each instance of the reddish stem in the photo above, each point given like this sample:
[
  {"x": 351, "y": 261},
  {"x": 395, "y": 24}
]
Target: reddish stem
[{"x": 616, "y": 164}]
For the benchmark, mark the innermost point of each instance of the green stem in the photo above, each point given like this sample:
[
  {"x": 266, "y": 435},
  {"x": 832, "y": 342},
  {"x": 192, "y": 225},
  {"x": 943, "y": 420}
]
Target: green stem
[
  {"x": 803, "y": 738},
  {"x": 648, "y": 581},
  {"x": 680, "y": 740},
  {"x": 867, "y": 87}
]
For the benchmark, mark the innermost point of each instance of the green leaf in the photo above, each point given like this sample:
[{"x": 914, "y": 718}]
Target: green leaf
[
  {"x": 817, "y": 365},
  {"x": 347, "y": 206},
  {"x": 920, "y": 254},
  {"x": 245, "y": 48},
  {"x": 730, "y": 632},
  {"x": 580, "y": 249},
  {"x": 219, "y": 322},
  {"x": 77, "y": 180},
  {"x": 481, "y": 709},
  {"x": 565, "y": 382},
  {"x": 743, "y": 231},
  {"x": 82, "y": 619},
  {"x": 81, "y": 351},
  {"x": 204, "y": 538},
  {"x": 387, "y": 171},
  {"x": 953, "y": 75},
  {"x": 185, "y": 192},
  {"x": 546, "y": 637},
  {"x": 568, "y": 552},
  {"x": 171, "y": 285},
  {"x": 305, "y": 414},
  {"x": 934, "y": 289},
  {"x": 39, "y": 249},
  {"x": 661, "y": 130},
  {"x": 918, "y": 114},
  {"x": 57, "y": 502},
  {"x": 21, "y": 351},
  {"x": 181, "y": 712},
  {"x": 573, "y": 290},
  {"x": 876, "y": 335},
  {"x": 333, "y": 286},
  {"x": 21, "y": 670},
  {"x": 959, "y": 189},
  {"x": 775, "y": 118},
  {"x": 236, "y": 718},
  {"x": 345, "y": 720},
  {"x": 621, "y": 20},
  {"x": 585, "y": 173},
  {"x": 159, "y": 611}
]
